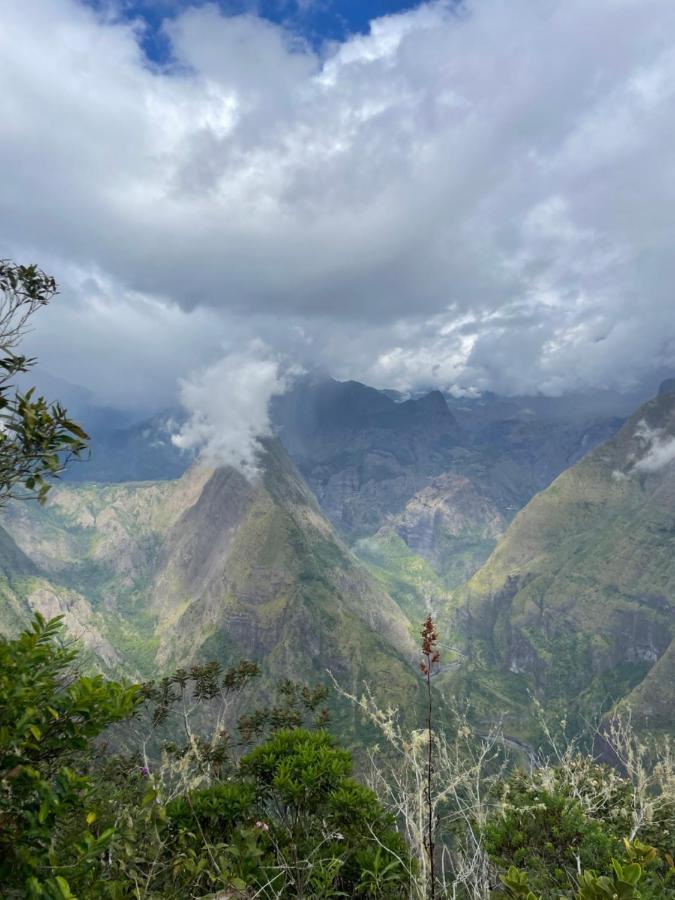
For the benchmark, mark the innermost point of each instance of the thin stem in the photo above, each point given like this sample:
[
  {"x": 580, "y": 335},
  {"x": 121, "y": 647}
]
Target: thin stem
[{"x": 430, "y": 813}]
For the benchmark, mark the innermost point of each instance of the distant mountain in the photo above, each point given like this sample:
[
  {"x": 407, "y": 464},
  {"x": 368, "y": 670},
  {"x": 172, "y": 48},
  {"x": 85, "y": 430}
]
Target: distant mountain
[
  {"x": 159, "y": 574},
  {"x": 450, "y": 523},
  {"x": 362, "y": 453},
  {"x": 366, "y": 454},
  {"x": 576, "y": 602},
  {"x": 134, "y": 451}
]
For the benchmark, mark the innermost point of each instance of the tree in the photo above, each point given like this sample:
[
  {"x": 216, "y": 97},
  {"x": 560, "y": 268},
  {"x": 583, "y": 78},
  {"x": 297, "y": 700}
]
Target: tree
[
  {"x": 49, "y": 718},
  {"x": 37, "y": 438}
]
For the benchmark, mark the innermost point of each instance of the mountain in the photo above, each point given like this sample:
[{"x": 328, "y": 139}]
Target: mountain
[
  {"x": 365, "y": 452},
  {"x": 420, "y": 488},
  {"x": 569, "y": 599},
  {"x": 451, "y": 524},
  {"x": 207, "y": 566},
  {"x": 576, "y": 602},
  {"x": 422, "y": 491},
  {"x": 362, "y": 453}
]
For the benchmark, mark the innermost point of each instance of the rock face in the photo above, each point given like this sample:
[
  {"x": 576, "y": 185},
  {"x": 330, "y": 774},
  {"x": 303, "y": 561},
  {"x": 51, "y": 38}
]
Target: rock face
[
  {"x": 363, "y": 454},
  {"x": 208, "y": 566},
  {"x": 446, "y": 519},
  {"x": 366, "y": 454},
  {"x": 577, "y": 599}
]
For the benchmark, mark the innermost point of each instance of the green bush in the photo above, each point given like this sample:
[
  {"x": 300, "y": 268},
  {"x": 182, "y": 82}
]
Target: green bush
[
  {"x": 546, "y": 832},
  {"x": 49, "y": 718},
  {"x": 322, "y": 822},
  {"x": 287, "y": 819}
]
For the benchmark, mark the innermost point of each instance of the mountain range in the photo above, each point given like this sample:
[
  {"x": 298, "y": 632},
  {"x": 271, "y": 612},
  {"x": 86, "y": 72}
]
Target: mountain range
[{"x": 539, "y": 531}]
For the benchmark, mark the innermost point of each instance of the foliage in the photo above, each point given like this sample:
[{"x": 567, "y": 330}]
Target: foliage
[
  {"x": 36, "y": 438},
  {"x": 320, "y": 818},
  {"x": 272, "y": 809},
  {"x": 49, "y": 717},
  {"x": 621, "y": 884},
  {"x": 542, "y": 826},
  {"x": 556, "y": 827},
  {"x": 286, "y": 819}
]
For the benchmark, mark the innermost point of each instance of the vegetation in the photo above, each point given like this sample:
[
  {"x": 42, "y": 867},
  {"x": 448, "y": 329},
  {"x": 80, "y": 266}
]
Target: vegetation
[
  {"x": 36, "y": 438},
  {"x": 286, "y": 818},
  {"x": 91, "y": 807},
  {"x": 49, "y": 717}
]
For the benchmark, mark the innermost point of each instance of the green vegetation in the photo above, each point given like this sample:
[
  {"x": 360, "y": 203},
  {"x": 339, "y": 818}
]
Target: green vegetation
[
  {"x": 49, "y": 717},
  {"x": 576, "y": 602},
  {"x": 36, "y": 438},
  {"x": 408, "y": 578},
  {"x": 128, "y": 791},
  {"x": 285, "y": 819}
]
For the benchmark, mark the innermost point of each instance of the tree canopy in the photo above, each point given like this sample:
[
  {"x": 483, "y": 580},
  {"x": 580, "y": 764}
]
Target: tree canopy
[{"x": 37, "y": 438}]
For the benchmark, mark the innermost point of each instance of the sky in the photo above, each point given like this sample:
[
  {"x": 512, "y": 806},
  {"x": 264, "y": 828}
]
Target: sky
[{"x": 467, "y": 195}]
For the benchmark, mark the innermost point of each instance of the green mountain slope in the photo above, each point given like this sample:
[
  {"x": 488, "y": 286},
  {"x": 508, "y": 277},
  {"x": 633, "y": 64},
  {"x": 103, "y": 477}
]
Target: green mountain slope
[
  {"x": 210, "y": 566},
  {"x": 576, "y": 602}
]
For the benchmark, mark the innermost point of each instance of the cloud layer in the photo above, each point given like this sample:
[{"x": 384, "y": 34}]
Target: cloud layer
[{"x": 474, "y": 195}]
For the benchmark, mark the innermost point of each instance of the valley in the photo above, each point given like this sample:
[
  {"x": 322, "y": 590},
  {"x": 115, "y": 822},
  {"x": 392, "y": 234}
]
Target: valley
[{"x": 369, "y": 513}]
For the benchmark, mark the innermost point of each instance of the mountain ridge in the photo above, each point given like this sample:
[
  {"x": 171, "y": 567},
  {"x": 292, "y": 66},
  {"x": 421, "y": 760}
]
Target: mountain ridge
[{"x": 577, "y": 597}]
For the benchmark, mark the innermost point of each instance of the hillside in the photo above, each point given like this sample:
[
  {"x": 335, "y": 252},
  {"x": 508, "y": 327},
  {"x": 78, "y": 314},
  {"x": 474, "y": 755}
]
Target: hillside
[
  {"x": 576, "y": 602},
  {"x": 208, "y": 566}
]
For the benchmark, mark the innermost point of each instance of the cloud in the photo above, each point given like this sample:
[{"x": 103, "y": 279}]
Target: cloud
[
  {"x": 474, "y": 195},
  {"x": 658, "y": 447},
  {"x": 227, "y": 404}
]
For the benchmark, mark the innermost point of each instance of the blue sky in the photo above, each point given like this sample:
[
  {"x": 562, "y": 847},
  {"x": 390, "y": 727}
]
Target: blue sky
[{"x": 315, "y": 20}]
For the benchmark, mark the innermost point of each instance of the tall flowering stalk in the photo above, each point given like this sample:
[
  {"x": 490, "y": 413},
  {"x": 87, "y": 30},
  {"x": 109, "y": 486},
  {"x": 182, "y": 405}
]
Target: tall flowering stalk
[{"x": 431, "y": 656}]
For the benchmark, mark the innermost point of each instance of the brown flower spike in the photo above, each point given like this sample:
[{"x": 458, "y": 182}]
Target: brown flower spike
[{"x": 429, "y": 644}]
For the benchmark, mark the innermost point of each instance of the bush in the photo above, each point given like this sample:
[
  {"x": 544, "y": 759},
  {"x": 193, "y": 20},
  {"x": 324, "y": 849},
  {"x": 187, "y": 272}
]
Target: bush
[
  {"x": 288, "y": 819},
  {"x": 547, "y": 832},
  {"x": 49, "y": 718}
]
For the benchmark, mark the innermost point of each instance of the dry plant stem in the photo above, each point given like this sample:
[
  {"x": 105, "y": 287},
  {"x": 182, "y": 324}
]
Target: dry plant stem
[
  {"x": 430, "y": 812},
  {"x": 464, "y": 769},
  {"x": 431, "y": 656}
]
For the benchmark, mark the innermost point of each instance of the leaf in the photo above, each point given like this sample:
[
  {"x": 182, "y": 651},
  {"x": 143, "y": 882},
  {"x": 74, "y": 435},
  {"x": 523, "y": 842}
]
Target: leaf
[
  {"x": 632, "y": 873},
  {"x": 64, "y": 888}
]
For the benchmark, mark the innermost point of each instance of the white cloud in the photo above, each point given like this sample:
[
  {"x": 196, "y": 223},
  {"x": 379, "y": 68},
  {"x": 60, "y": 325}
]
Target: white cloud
[
  {"x": 475, "y": 197},
  {"x": 227, "y": 403},
  {"x": 658, "y": 447}
]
